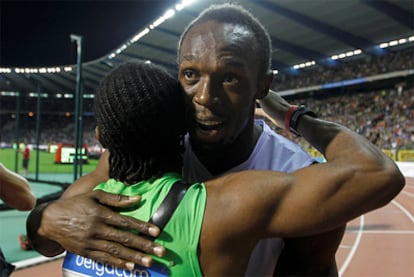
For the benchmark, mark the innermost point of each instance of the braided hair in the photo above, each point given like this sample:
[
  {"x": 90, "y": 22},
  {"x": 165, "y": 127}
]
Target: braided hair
[{"x": 140, "y": 113}]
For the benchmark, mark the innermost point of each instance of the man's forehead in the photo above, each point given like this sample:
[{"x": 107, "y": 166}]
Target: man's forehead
[
  {"x": 237, "y": 31},
  {"x": 217, "y": 35},
  {"x": 221, "y": 29}
]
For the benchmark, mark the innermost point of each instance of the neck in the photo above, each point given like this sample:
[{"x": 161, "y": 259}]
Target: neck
[{"x": 220, "y": 159}]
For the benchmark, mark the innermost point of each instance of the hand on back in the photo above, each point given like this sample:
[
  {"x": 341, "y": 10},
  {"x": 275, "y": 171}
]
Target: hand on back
[{"x": 87, "y": 224}]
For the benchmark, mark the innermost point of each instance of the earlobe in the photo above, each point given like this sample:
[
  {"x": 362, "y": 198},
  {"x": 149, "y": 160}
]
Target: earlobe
[
  {"x": 98, "y": 136},
  {"x": 264, "y": 85}
]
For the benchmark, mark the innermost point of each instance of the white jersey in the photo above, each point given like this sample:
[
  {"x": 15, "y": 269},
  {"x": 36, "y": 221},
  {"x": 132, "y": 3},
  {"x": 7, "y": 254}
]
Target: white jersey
[{"x": 272, "y": 152}]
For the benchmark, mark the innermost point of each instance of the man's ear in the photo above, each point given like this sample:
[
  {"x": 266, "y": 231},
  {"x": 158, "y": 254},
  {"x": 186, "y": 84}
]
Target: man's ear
[{"x": 264, "y": 85}]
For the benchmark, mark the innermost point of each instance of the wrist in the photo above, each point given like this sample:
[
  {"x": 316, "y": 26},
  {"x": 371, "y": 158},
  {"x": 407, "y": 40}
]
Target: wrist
[
  {"x": 293, "y": 115},
  {"x": 37, "y": 238},
  {"x": 34, "y": 221},
  {"x": 275, "y": 106}
]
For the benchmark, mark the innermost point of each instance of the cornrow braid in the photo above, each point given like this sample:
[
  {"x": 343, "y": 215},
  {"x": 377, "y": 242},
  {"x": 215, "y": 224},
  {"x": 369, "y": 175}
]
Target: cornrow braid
[{"x": 140, "y": 113}]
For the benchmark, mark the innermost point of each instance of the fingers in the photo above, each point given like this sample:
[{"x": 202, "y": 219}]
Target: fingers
[
  {"x": 99, "y": 233},
  {"x": 117, "y": 255},
  {"x": 126, "y": 222},
  {"x": 120, "y": 255},
  {"x": 129, "y": 263},
  {"x": 128, "y": 239},
  {"x": 115, "y": 200}
]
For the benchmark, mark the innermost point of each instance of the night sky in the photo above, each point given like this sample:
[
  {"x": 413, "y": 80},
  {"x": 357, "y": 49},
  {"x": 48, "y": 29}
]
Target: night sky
[{"x": 37, "y": 33}]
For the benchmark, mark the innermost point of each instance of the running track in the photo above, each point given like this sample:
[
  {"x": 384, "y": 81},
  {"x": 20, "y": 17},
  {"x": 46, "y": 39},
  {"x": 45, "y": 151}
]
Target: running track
[
  {"x": 381, "y": 243},
  {"x": 377, "y": 244}
]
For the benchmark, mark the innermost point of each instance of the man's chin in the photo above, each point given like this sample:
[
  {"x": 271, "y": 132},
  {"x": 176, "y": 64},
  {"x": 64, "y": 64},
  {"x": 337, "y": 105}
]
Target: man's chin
[{"x": 206, "y": 143}]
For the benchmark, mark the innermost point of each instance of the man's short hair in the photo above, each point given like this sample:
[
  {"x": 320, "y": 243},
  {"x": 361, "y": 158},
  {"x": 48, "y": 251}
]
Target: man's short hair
[{"x": 236, "y": 14}]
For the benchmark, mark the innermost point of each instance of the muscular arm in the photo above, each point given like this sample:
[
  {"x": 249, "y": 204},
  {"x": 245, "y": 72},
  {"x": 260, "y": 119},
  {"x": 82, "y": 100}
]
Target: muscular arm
[
  {"x": 312, "y": 254},
  {"x": 15, "y": 190},
  {"x": 307, "y": 255},
  {"x": 318, "y": 199},
  {"x": 357, "y": 178},
  {"x": 83, "y": 222}
]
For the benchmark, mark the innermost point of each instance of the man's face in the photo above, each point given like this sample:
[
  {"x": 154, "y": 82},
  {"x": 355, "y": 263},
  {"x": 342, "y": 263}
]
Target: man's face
[{"x": 219, "y": 73}]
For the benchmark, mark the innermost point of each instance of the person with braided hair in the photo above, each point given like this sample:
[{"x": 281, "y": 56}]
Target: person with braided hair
[
  {"x": 224, "y": 67},
  {"x": 140, "y": 114}
]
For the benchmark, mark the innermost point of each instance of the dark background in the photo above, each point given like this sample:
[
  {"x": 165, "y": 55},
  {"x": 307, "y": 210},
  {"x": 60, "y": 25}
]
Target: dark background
[{"x": 37, "y": 33}]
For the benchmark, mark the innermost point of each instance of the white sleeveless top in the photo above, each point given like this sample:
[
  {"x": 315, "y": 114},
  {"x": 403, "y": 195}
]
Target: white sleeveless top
[{"x": 272, "y": 152}]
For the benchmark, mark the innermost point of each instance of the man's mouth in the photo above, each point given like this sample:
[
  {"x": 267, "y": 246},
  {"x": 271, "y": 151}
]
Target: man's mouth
[{"x": 208, "y": 126}]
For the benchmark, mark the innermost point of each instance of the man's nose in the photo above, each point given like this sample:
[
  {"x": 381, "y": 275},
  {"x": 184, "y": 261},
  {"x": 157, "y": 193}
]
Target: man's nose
[{"x": 205, "y": 95}]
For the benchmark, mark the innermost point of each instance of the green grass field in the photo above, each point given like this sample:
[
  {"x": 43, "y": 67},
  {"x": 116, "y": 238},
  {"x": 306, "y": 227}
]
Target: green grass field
[{"x": 46, "y": 162}]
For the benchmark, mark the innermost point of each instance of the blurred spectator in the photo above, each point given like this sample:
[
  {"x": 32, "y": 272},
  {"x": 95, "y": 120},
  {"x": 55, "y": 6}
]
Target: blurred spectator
[
  {"x": 26, "y": 159},
  {"x": 15, "y": 192}
]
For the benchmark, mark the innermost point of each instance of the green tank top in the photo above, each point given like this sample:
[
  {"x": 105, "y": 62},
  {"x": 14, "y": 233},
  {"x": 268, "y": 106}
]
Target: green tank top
[{"x": 181, "y": 235}]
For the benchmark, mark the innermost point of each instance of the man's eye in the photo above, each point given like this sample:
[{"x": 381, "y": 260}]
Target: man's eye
[
  {"x": 189, "y": 74},
  {"x": 230, "y": 79}
]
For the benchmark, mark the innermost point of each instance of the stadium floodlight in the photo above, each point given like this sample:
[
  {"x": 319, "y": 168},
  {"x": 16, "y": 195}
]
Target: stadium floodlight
[
  {"x": 183, "y": 4},
  {"x": 76, "y": 38},
  {"x": 393, "y": 42},
  {"x": 78, "y": 108},
  {"x": 140, "y": 35}
]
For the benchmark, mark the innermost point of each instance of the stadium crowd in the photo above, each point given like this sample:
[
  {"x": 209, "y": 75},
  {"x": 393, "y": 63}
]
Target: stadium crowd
[
  {"x": 349, "y": 69},
  {"x": 386, "y": 115},
  {"x": 55, "y": 129}
]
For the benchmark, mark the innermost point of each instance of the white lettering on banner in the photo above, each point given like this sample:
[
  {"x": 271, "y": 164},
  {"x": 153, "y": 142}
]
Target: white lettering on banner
[{"x": 89, "y": 266}]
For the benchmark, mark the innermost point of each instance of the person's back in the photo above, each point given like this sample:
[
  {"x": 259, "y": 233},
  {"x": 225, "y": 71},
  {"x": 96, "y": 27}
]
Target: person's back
[
  {"x": 180, "y": 236},
  {"x": 145, "y": 142}
]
